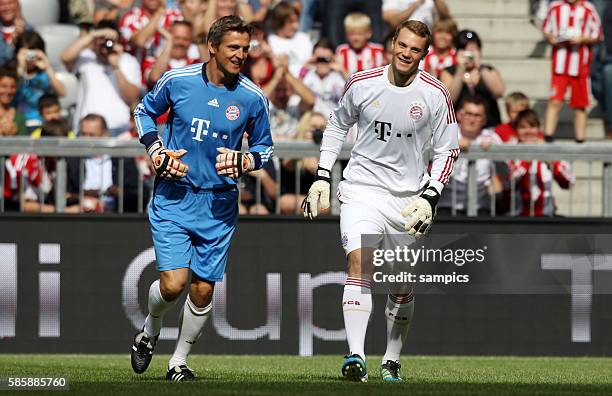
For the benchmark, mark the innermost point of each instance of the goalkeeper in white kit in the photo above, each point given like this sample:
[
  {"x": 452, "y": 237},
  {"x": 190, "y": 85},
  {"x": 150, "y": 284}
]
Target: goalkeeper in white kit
[{"x": 405, "y": 121}]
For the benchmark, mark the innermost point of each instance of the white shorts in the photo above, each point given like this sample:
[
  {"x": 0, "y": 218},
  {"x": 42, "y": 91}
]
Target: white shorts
[{"x": 370, "y": 211}]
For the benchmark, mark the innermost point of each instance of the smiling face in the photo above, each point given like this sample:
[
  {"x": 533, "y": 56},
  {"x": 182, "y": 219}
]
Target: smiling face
[
  {"x": 8, "y": 88},
  {"x": 442, "y": 40},
  {"x": 408, "y": 51},
  {"x": 472, "y": 118},
  {"x": 8, "y": 11},
  {"x": 358, "y": 37},
  {"x": 528, "y": 132},
  {"x": 231, "y": 53},
  {"x": 181, "y": 40},
  {"x": 291, "y": 26}
]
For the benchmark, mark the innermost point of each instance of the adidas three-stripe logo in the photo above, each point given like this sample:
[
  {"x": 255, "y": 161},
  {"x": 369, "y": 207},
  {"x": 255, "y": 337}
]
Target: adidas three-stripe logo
[
  {"x": 176, "y": 377},
  {"x": 213, "y": 102}
]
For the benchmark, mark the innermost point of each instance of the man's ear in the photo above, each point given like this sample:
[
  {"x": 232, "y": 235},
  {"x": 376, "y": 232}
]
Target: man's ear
[{"x": 211, "y": 49}]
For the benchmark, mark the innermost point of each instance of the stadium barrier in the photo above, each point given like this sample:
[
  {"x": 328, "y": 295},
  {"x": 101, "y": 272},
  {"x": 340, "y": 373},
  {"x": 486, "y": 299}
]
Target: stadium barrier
[
  {"x": 592, "y": 195},
  {"x": 79, "y": 284}
]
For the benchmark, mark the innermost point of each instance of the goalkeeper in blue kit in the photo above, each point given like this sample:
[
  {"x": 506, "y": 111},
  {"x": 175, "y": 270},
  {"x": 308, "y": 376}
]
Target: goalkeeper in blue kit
[{"x": 194, "y": 207}]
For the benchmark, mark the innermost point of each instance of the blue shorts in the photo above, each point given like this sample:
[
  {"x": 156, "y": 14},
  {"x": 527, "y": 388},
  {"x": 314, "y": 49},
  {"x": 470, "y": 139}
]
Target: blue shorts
[{"x": 193, "y": 229}]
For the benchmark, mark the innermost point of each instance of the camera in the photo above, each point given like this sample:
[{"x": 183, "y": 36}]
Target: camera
[
  {"x": 31, "y": 55},
  {"x": 254, "y": 45},
  {"x": 108, "y": 45},
  {"x": 469, "y": 55}
]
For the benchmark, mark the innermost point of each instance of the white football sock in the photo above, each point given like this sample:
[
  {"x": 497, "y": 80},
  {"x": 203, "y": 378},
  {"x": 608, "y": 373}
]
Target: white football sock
[
  {"x": 190, "y": 324},
  {"x": 356, "y": 307},
  {"x": 399, "y": 311},
  {"x": 157, "y": 309}
]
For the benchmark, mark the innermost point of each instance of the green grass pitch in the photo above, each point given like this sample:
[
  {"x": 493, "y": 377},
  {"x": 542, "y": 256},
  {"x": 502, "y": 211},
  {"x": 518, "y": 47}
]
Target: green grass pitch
[{"x": 319, "y": 375}]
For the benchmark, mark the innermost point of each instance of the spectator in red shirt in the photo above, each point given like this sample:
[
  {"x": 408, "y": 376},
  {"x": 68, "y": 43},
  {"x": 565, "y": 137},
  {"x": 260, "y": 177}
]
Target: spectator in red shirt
[
  {"x": 515, "y": 103},
  {"x": 139, "y": 27},
  {"x": 359, "y": 53},
  {"x": 533, "y": 179},
  {"x": 175, "y": 53},
  {"x": 572, "y": 27},
  {"x": 25, "y": 168},
  {"x": 442, "y": 54}
]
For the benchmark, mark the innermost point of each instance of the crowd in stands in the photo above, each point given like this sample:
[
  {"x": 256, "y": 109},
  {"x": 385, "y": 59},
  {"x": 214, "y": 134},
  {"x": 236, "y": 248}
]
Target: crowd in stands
[{"x": 301, "y": 55}]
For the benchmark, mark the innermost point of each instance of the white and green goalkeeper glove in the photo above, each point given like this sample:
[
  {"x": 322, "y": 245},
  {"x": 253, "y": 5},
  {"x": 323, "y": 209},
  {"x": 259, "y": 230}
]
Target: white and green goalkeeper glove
[
  {"x": 318, "y": 193},
  {"x": 420, "y": 212},
  {"x": 233, "y": 163},
  {"x": 167, "y": 163}
]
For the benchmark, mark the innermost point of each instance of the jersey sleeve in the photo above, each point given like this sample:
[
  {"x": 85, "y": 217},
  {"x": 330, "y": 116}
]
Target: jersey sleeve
[
  {"x": 592, "y": 27},
  {"x": 445, "y": 142},
  {"x": 344, "y": 116},
  {"x": 260, "y": 137},
  {"x": 154, "y": 104},
  {"x": 549, "y": 24},
  {"x": 518, "y": 170},
  {"x": 562, "y": 172}
]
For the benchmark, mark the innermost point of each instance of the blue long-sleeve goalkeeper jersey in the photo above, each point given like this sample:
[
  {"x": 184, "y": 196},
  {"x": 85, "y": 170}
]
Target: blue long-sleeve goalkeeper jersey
[{"x": 203, "y": 117}]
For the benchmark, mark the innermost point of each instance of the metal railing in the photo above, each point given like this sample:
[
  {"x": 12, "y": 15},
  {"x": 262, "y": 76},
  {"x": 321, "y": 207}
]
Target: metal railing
[{"x": 588, "y": 154}]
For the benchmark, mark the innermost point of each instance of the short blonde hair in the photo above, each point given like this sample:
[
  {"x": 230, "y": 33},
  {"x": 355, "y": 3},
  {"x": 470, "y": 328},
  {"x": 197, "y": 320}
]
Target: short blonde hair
[
  {"x": 517, "y": 98},
  {"x": 357, "y": 20}
]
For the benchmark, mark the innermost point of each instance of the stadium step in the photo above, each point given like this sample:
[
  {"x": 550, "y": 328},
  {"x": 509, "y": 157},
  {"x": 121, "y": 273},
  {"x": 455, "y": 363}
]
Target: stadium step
[
  {"x": 491, "y": 28},
  {"x": 509, "y": 48},
  {"x": 461, "y": 8}
]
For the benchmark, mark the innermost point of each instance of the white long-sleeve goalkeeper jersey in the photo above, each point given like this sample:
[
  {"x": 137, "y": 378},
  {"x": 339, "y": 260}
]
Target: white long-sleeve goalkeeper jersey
[{"x": 400, "y": 130}]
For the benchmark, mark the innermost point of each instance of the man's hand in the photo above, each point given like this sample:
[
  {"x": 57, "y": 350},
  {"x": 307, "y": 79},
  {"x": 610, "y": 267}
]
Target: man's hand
[
  {"x": 420, "y": 212},
  {"x": 167, "y": 163},
  {"x": 318, "y": 193},
  {"x": 233, "y": 163}
]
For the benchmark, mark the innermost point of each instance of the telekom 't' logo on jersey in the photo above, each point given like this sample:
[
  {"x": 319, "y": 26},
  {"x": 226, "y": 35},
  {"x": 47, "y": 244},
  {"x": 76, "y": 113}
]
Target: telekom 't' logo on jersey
[
  {"x": 200, "y": 128},
  {"x": 384, "y": 130}
]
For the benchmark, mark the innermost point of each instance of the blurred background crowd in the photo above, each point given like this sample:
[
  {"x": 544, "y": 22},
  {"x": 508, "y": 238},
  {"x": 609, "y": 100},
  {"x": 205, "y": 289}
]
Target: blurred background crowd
[{"x": 76, "y": 69}]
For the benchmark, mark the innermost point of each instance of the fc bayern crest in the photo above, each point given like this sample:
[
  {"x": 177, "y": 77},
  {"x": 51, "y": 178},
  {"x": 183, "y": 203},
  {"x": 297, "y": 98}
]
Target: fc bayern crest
[
  {"x": 416, "y": 111},
  {"x": 232, "y": 113}
]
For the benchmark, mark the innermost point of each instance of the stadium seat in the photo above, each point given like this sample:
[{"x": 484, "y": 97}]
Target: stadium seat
[
  {"x": 40, "y": 12},
  {"x": 57, "y": 38},
  {"x": 69, "y": 101}
]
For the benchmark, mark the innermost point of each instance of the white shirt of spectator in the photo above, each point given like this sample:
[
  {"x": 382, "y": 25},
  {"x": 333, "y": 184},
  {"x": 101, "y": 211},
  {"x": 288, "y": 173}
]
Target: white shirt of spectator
[
  {"x": 99, "y": 89},
  {"x": 400, "y": 130},
  {"x": 283, "y": 122},
  {"x": 298, "y": 49},
  {"x": 459, "y": 178},
  {"x": 424, "y": 13},
  {"x": 328, "y": 90},
  {"x": 98, "y": 173}
]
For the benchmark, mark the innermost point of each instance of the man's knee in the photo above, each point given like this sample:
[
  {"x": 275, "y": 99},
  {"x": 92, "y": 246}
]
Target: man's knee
[
  {"x": 358, "y": 267},
  {"x": 201, "y": 292},
  {"x": 171, "y": 285}
]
